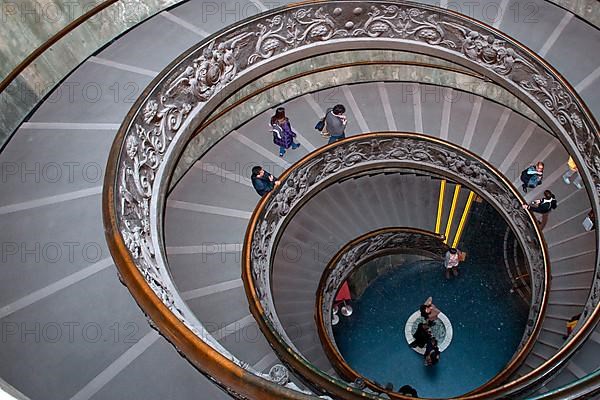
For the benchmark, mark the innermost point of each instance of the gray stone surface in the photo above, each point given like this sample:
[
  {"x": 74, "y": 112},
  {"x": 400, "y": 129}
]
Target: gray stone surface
[
  {"x": 93, "y": 94},
  {"x": 573, "y": 44},
  {"x": 220, "y": 309},
  {"x": 531, "y": 21},
  {"x": 193, "y": 271},
  {"x": 75, "y": 335},
  {"x": 189, "y": 228},
  {"x": 37, "y": 164},
  {"x": 213, "y": 16},
  {"x": 152, "y": 45},
  {"x": 175, "y": 379},
  {"x": 44, "y": 250},
  {"x": 586, "y": 9}
]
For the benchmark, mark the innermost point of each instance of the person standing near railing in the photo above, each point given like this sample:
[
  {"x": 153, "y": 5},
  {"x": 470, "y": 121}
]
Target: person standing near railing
[
  {"x": 543, "y": 206},
  {"x": 336, "y": 121},
  {"x": 262, "y": 181},
  {"x": 572, "y": 175}
]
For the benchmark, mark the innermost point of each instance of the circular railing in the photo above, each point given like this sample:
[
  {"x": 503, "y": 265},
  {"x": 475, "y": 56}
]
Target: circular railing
[
  {"x": 374, "y": 151},
  {"x": 163, "y": 119},
  {"x": 350, "y": 258}
]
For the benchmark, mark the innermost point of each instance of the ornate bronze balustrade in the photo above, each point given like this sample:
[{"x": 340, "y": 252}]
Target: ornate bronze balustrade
[
  {"x": 351, "y": 257},
  {"x": 181, "y": 98},
  {"x": 371, "y": 152}
]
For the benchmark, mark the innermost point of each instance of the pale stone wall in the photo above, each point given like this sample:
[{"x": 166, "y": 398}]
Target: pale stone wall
[{"x": 26, "y": 24}]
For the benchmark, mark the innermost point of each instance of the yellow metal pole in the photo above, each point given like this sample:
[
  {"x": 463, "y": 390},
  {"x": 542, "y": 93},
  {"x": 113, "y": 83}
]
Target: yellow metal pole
[
  {"x": 452, "y": 210},
  {"x": 463, "y": 219},
  {"x": 438, "y": 221}
]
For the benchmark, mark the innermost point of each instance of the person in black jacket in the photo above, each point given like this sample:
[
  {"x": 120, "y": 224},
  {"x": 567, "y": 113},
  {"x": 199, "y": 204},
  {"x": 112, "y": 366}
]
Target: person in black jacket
[
  {"x": 263, "y": 181},
  {"x": 543, "y": 206},
  {"x": 432, "y": 353},
  {"x": 422, "y": 335},
  {"x": 408, "y": 390}
]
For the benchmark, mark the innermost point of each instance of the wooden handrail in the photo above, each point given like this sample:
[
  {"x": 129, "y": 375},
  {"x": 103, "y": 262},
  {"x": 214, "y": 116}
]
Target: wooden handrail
[
  {"x": 50, "y": 42},
  {"x": 335, "y": 358},
  {"x": 319, "y": 378},
  {"x": 155, "y": 87}
]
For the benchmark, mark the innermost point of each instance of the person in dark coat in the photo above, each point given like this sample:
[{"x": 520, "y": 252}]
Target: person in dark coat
[
  {"x": 263, "y": 181},
  {"x": 422, "y": 335},
  {"x": 543, "y": 206},
  {"x": 335, "y": 122},
  {"x": 283, "y": 135},
  {"x": 432, "y": 352},
  {"x": 532, "y": 176},
  {"x": 408, "y": 390}
]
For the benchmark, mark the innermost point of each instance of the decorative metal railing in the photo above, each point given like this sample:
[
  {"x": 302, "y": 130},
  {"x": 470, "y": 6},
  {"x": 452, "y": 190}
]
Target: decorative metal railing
[
  {"x": 375, "y": 151},
  {"x": 351, "y": 257},
  {"x": 585, "y": 388},
  {"x": 164, "y": 118}
]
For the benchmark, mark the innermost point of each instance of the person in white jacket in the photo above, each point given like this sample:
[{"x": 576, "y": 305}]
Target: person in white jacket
[{"x": 451, "y": 262}]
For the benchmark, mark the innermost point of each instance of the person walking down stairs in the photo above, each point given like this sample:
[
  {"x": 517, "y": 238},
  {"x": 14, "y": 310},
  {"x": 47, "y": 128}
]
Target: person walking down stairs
[
  {"x": 572, "y": 174},
  {"x": 336, "y": 121},
  {"x": 283, "y": 135},
  {"x": 543, "y": 206}
]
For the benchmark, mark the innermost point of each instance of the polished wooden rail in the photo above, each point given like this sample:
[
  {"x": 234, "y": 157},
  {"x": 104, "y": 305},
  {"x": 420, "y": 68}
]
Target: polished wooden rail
[
  {"x": 331, "y": 351},
  {"x": 53, "y": 40},
  {"x": 318, "y": 378},
  {"x": 169, "y": 328}
]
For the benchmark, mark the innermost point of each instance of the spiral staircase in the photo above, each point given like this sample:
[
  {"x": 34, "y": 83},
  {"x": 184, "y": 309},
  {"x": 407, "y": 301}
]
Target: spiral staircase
[{"x": 71, "y": 330}]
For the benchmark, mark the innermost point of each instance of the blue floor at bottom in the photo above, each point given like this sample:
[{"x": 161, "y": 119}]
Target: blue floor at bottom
[{"x": 487, "y": 319}]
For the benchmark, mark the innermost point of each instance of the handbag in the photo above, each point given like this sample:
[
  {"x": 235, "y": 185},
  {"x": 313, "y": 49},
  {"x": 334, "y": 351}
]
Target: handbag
[
  {"x": 324, "y": 132},
  {"x": 320, "y": 125}
]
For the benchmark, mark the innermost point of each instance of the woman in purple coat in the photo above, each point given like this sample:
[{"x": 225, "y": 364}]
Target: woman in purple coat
[{"x": 283, "y": 135}]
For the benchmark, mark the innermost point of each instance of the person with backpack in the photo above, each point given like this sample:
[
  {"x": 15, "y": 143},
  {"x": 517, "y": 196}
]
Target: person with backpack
[
  {"x": 532, "y": 176},
  {"x": 283, "y": 135},
  {"x": 543, "y": 206}
]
